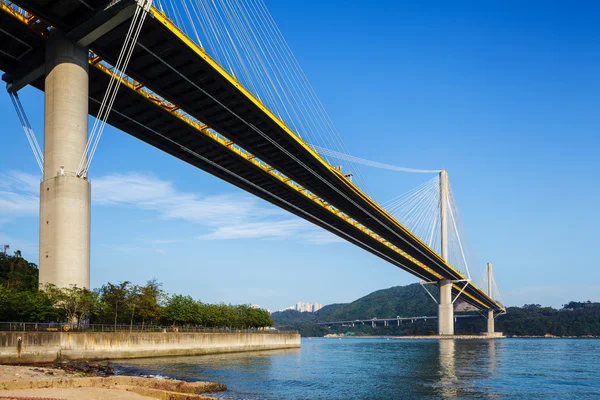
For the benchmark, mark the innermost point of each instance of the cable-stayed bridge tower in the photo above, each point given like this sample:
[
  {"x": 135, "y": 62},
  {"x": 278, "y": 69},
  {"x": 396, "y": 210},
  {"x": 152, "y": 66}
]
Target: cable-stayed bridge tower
[{"x": 445, "y": 303}]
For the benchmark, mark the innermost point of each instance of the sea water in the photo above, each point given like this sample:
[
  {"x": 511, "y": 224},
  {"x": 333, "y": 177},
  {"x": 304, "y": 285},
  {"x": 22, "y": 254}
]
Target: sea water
[{"x": 396, "y": 369}]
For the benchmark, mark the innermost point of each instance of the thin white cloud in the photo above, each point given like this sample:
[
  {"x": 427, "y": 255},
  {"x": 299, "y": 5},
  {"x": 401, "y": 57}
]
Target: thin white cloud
[
  {"x": 151, "y": 193},
  {"x": 20, "y": 181},
  {"x": 19, "y": 196},
  {"x": 238, "y": 216},
  {"x": 266, "y": 229}
]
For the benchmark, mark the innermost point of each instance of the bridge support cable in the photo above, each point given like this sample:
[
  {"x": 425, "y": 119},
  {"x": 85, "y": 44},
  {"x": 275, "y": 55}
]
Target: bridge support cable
[
  {"x": 434, "y": 225},
  {"x": 342, "y": 156},
  {"x": 465, "y": 283},
  {"x": 244, "y": 38},
  {"x": 421, "y": 210},
  {"x": 410, "y": 208},
  {"x": 462, "y": 252},
  {"x": 141, "y": 11},
  {"x": 29, "y": 134},
  {"x": 491, "y": 285},
  {"x": 424, "y": 285}
]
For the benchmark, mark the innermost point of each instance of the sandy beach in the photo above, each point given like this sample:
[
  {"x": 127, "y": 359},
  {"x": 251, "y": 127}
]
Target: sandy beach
[{"x": 26, "y": 382}]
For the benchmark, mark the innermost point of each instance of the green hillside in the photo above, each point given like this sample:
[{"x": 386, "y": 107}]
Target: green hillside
[
  {"x": 403, "y": 301},
  {"x": 573, "y": 319}
]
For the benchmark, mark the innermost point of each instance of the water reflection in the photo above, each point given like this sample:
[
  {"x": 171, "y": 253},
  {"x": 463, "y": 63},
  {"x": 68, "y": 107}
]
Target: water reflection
[
  {"x": 491, "y": 355},
  {"x": 463, "y": 365},
  {"x": 447, "y": 362}
]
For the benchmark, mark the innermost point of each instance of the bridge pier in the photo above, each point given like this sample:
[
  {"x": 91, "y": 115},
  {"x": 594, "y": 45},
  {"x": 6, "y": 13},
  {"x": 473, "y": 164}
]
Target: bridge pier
[
  {"x": 491, "y": 329},
  {"x": 445, "y": 309},
  {"x": 64, "y": 197}
]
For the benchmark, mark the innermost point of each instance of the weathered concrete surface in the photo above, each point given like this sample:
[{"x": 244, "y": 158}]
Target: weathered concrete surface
[
  {"x": 64, "y": 197},
  {"x": 491, "y": 329},
  {"x": 24, "y": 347},
  {"x": 445, "y": 309}
]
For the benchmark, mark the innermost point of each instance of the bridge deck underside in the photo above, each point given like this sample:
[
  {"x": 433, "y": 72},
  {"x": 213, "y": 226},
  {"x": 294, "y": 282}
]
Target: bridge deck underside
[{"x": 176, "y": 71}]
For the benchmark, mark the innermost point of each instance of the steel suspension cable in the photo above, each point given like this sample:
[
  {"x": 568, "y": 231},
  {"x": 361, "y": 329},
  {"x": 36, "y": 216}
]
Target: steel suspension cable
[
  {"x": 29, "y": 134},
  {"x": 114, "y": 84}
]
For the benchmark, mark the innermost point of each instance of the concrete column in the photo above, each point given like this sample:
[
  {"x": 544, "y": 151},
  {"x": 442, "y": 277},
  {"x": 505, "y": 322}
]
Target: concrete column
[
  {"x": 64, "y": 197},
  {"x": 444, "y": 213},
  {"x": 445, "y": 306},
  {"x": 445, "y": 309},
  {"x": 489, "y": 279},
  {"x": 491, "y": 329}
]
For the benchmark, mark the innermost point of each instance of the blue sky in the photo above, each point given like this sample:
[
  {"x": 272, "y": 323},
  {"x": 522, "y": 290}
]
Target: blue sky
[{"x": 504, "y": 95}]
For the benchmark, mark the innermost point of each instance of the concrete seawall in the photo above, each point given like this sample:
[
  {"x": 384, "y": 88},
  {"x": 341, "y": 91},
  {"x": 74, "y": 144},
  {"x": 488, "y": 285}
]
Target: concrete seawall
[{"x": 32, "y": 347}]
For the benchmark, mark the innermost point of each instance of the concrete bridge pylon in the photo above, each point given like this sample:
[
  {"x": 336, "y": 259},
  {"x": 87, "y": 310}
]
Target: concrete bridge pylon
[
  {"x": 445, "y": 304},
  {"x": 65, "y": 197}
]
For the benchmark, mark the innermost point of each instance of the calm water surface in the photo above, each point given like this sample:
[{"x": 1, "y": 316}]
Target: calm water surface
[{"x": 395, "y": 369}]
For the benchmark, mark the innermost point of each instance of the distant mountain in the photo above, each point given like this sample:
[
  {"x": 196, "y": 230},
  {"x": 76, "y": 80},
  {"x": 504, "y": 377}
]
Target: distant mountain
[
  {"x": 574, "y": 319},
  {"x": 403, "y": 301}
]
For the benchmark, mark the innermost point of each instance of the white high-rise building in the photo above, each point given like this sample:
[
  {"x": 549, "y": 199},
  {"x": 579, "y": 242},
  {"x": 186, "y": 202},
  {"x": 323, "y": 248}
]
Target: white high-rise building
[{"x": 307, "y": 307}]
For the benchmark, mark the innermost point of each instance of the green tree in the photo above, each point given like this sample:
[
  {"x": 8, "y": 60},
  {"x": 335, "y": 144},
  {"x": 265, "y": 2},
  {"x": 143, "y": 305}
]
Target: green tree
[
  {"x": 76, "y": 303},
  {"x": 114, "y": 298},
  {"x": 17, "y": 273},
  {"x": 150, "y": 299},
  {"x": 182, "y": 309},
  {"x": 132, "y": 302}
]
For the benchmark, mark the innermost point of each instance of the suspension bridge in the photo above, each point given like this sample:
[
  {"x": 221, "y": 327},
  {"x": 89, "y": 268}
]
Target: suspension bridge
[{"x": 214, "y": 84}]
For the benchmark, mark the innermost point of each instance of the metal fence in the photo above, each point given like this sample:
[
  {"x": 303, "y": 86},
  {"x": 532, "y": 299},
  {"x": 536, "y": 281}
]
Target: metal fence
[{"x": 64, "y": 327}]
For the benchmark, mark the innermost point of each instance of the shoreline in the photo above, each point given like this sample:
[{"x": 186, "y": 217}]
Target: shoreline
[
  {"x": 95, "y": 381},
  {"x": 418, "y": 337},
  {"x": 456, "y": 337}
]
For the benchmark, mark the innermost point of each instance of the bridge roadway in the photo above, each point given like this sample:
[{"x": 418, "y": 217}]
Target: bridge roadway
[
  {"x": 176, "y": 98},
  {"x": 388, "y": 320}
]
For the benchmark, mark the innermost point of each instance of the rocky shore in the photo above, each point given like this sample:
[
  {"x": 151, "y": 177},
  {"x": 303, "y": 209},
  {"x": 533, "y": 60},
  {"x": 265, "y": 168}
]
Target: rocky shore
[{"x": 94, "y": 381}]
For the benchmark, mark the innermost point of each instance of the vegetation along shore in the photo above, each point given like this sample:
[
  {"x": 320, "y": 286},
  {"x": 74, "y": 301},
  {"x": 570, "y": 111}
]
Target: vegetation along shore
[{"x": 122, "y": 303}]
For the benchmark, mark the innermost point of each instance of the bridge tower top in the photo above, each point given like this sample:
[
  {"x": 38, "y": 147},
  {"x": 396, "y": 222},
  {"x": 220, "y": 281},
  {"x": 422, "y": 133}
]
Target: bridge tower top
[
  {"x": 444, "y": 213},
  {"x": 489, "y": 278}
]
